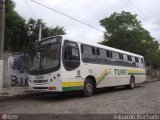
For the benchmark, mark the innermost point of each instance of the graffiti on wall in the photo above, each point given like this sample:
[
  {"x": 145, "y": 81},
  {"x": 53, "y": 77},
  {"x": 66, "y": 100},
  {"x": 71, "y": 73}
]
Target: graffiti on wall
[{"x": 18, "y": 66}]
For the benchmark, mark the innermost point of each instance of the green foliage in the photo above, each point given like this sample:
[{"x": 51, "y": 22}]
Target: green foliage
[
  {"x": 52, "y": 31},
  {"x": 125, "y": 32},
  {"x": 15, "y": 30},
  {"x": 20, "y": 34},
  {"x": 32, "y": 26}
]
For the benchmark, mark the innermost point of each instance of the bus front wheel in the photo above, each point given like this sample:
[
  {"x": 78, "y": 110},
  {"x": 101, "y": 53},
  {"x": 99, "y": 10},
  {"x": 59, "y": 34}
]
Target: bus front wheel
[{"x": 88, "y": 88}]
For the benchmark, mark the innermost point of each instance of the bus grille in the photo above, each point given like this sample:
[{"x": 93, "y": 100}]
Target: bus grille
[
  {"x": 40, "y": 87},
  {"x": 40, "y": 81}
]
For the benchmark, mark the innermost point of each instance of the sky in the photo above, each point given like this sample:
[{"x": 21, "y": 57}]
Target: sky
[{"x": 90, "y": 12}]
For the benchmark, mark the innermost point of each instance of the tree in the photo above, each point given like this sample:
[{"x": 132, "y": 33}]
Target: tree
[
  {"x": 21, "y": 34},
  {"x": 125, "y": 32},
  {"x": 50, "y": 31},
  {"x": 15, "y": 30},
  {"x": 33, "y": 31}
]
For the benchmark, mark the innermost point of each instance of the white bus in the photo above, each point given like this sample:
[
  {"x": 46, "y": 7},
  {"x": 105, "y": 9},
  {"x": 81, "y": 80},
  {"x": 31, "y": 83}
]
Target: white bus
[{"x": 60, "y": 64}]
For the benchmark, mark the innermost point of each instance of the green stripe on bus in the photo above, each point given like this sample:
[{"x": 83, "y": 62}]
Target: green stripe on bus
[
  {"x": 136, "y": 73},
  {"x": 101, "y": 79},
  {"x": 72, "y": 88}
]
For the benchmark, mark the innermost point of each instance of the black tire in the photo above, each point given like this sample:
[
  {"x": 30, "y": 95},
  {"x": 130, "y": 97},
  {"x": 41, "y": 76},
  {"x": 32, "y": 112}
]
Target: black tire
[
  {"x": 88, "y": 88},
  {"x": 132, "y": 83}
]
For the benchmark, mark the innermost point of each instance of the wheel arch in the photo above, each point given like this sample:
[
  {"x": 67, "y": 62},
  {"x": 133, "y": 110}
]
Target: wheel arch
[
  {"x": 93, "y": 79},
  {"x": 133, "y": 77}
]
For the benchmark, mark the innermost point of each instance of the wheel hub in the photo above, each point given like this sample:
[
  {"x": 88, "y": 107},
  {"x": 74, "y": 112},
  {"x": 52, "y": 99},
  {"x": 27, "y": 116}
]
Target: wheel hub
[{"x": 89, "y": 87}]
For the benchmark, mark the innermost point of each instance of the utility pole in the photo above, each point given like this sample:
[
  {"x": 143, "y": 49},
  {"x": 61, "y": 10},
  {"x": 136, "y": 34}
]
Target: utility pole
[
  {"x": 40, "y": 32},
  {"x": 2, "y": 25},
  {"x": 2, "y": 22}
]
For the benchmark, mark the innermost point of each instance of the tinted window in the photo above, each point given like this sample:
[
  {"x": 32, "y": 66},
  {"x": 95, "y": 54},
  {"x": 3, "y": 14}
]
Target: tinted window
[
  {"x": 102, "y": 56},
  {"x": 142, "y": 60},
  {"x": 121, "y": 56},
  {"x": 115, "y": 58},
  {"x": 98, "y": 53},
  {"x": 89, "y": 50},
  {"x": 133, "y": 61},
  {"x": 103, "y": 53},
  {"x": 75, "y": 54},
  {"x": 71, "y": 57},
  {"x": 140, "y": 64},
  {"x": 128, "y": 57},
  {"x": 136, "y": 59},
  {"x": 115, "y": 55},
  {"x": 88, "y": 54},
  {"x": 126, "y": 60}
]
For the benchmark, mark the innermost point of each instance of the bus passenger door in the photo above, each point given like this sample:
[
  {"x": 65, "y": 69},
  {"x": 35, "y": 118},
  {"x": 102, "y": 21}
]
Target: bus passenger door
[{"x": 71, "y": 62}]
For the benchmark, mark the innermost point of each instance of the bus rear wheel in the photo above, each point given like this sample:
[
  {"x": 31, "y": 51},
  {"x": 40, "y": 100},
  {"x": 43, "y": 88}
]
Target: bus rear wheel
[
  {"x": 88, "y": 88},
  {"x": 131, "y": 84}
]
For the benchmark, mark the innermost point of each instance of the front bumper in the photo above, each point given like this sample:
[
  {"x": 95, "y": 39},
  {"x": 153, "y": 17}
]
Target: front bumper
[{"x": 54, "y": 86}]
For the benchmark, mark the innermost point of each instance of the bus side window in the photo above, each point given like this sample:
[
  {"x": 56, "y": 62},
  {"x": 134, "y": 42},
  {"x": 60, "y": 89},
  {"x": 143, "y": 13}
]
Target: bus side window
[
  {"x": 98, "y": 53},
  {"x": 115, "y": 58},
  {"x": 133, "y": 61},
  {"x": 102, "y": 57},
  {"x": 140, "y": 64},
  {"x": 126, "y": 61},
  {"x": 137, "y": 60},
  {"x": 142, "y": 60},
  {"x": 88, "y": 54},
  {"x": 71, "y": 57}
]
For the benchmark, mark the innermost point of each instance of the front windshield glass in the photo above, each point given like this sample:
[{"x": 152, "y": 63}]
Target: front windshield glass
[
  {"x": 50, "y": 57},
  {"x": 46, "y": 59}
]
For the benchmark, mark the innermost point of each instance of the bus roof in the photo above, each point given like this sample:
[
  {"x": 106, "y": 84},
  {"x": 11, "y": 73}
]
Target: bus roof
[{"x": 65, "y": 37}]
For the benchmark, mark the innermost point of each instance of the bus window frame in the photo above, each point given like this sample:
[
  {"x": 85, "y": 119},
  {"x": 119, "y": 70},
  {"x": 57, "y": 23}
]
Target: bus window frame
[{"x": 63, "y": 51}]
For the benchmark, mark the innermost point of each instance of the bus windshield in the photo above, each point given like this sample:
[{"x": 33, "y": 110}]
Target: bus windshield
[{"x": 46, "y": 59}]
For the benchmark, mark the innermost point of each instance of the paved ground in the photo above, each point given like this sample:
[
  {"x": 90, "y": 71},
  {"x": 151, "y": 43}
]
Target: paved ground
[{"x": 145, "y": 98}]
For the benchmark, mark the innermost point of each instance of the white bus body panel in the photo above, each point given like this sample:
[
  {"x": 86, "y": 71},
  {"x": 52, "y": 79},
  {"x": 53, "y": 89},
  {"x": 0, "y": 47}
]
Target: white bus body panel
[{"x": 105, "y": 75}]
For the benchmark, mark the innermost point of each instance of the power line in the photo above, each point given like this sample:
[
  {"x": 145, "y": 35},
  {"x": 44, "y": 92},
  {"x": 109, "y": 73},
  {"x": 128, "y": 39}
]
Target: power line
[
  {"x": 132, "y": 9},
  {"x": 126, "y": 6},
  {"x": 68, "y": 16},
  {"x": 138, "y": 9},
  {"x": 143, "y": 13},
  {"x": 77, "y": 19},
  {"x": 31, "y": 10},
  {"x": 113, "y": 5}
]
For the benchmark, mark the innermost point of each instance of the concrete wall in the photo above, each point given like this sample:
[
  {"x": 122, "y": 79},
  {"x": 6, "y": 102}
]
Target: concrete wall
[
  {"x": 152, "y": 72},
  {"x": 155, "y": 72},
  {"x": 15, "y": 70},
  {"x": 158, "y": 73}
]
